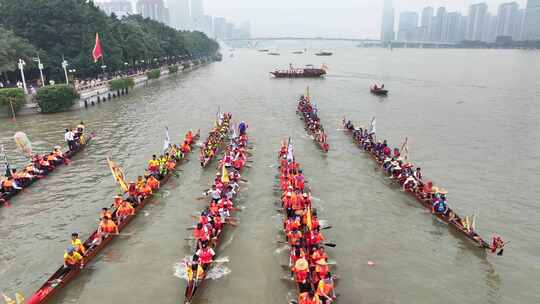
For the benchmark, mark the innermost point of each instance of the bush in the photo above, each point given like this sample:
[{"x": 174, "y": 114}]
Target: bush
[
  {"x": 122, "y": 83},
  {"x": 153, "y": 74},
  {"x": 56, "y": 98},
  {"x": 173, "y": 69},
  {"x": 15, "y": 96}
]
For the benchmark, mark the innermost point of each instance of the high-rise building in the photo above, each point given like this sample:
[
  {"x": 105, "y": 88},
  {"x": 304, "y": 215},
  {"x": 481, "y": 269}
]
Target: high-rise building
[
  {"x": 387, "y": 28},
  {"x": 408, "y": 21},
  {"x": 506, "y": 18},
  {"x": 476, "y": 22},
  {"x": 517, "y": 33},
  {"x": 219, "y": 27},
  {"x": 153, "y": 9},
  {"x": 532, "y": 20},
  {"x": 438, "y": 24},
  {"x": 427, "y": 14},
  {"x": 490, "y": 28},
  {"x": 207, "y": 25},
  {"x": 179, "y": 14},
  {"x": 462, "y": 28},
  {"x": 120, "y": 8},
  {"x": 451, "y": 30},
  {"x": 229, "y": 29},
  {"x": 197, "y": 14}
]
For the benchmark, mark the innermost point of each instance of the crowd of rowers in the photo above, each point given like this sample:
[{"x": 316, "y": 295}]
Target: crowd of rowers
[
  {"x": 218, "y": 213},
  {"x": 121, "y": 209},
  {"x": 308, "y": 259},
  {"x": 403, "y": 171},
  {"x": 312, "y": 121},
  {"x": 215, "y": 138},
  {"x": 411, "y": 179},
  {"x": 40, "y": 165}
]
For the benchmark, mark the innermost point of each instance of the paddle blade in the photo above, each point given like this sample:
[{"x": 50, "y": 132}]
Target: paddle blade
[
  {"x": 500, "y": 253},
  {"x": 330, "y": 245}
]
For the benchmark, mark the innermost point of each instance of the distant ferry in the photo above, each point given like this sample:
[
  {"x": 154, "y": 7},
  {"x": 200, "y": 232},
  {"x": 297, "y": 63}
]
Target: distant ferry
[
  {"x": 298, "y": 52},
  {"x": 274, "y": 54},
  {"x": 324, "y": 53},
  {"x": 308, "y": 72},
  {"x": 263, "y": 50}
]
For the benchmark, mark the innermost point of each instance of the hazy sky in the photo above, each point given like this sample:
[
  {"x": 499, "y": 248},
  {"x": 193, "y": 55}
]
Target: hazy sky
[{"x": 330, "y": 18}]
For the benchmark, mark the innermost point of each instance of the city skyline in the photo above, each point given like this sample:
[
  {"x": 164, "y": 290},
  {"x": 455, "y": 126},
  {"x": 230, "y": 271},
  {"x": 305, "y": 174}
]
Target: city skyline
[{"x": 348, "y": 18}]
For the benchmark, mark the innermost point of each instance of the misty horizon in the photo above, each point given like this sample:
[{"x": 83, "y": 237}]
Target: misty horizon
[{"x": 318, "y": 18}]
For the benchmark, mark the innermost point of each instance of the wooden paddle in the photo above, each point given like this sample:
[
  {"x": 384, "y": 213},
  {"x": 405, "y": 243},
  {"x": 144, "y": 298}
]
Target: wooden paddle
[
  {"x": 501, "y": 252},
  {"x": 325, "y": 244}
]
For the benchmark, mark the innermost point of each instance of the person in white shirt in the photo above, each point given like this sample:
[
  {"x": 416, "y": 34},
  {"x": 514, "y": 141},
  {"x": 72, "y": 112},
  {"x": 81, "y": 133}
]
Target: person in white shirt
[{"x": 70, "y": 139}]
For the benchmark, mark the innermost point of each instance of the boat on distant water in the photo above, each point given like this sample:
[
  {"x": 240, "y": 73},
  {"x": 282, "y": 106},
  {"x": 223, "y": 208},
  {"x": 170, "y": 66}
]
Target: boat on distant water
[
  {"x": 298, "y": 52},
  {"x": 274, "y": 54},
  {"x": 380, "y": 91},
  {"x": 324, "y": 53},
  {"x": 263, "y": 50},
  {"x": 307, "y": 72}
]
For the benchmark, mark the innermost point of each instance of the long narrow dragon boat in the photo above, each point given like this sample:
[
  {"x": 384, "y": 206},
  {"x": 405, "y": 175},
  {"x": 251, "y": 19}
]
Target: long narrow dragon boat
[
  {"x": 27, "y": 182},
  {"x": 94, "y": 244},
  {"x": 217, "y": 215},
  {"x": 216, "y": 140},
  {"x": 459, "y": 223},
  {"x": 312, "y": 123},
  {"x": 308, "y": 261}
]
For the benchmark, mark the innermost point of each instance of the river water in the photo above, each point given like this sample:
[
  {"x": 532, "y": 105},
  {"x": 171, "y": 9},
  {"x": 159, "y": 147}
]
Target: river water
[{"x": 471, "y": 117}]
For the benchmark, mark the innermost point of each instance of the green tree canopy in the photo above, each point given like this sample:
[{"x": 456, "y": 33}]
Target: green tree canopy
[
  {"x": 68, "y": 28},
  {"x": 12, "y": 48}
]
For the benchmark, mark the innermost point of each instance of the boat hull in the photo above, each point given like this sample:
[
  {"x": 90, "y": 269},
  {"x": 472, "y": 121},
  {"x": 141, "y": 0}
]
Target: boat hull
[
  {"x": 61, "y": 277},
  {"x": 454, "y": 222},
  {"x": 5, "y": 197},
  {"x": 379, "y": 92}
]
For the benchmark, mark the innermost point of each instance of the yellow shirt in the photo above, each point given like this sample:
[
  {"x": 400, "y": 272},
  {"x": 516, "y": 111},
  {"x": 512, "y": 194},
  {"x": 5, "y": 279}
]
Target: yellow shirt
[
  {"x": 78, "y": 245},
  {"x": 72, "y": 259}
]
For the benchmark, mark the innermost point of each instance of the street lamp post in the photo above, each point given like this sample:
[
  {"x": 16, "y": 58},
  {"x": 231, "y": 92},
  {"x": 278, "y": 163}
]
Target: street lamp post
[
  {"x": 40, "y": 67},
  {"x": 21, "y": 67},
  {"x": 64, "y": 66}
]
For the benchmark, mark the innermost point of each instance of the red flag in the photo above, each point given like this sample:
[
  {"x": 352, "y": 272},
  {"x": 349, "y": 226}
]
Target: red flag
[{"x": 96, "y": 52}]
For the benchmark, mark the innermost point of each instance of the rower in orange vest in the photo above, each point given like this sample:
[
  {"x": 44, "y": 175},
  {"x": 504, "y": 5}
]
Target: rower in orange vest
[
  {"x": 321, "y": 270},
  {"x": 124, "y": 210},
  {"x": 117, "y": 201},
  {"x": 325, "y": 289},
  {"x": 171, "y": 165},
  {"x": 146, "y": 190},
  {"x": 104, "y": 213},
  {"x": 107, "y": 226},
  {"x": 189, "y": 137},
  {"x": 185, "y": 147},
  {"x": 152, "y": 182}
]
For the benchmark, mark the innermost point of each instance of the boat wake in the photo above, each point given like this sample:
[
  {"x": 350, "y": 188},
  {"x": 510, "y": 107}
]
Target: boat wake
[{"x": 215, "y": 272}]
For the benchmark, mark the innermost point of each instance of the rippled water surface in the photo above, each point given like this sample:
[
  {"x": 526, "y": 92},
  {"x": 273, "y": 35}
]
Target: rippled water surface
[{"x": 472, "y": 122}]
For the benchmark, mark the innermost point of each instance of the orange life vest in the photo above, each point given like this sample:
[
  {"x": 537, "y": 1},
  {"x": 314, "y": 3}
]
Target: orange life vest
[
  {"x": 108, "y": 226},
  {"x": 153, "y": 183}
]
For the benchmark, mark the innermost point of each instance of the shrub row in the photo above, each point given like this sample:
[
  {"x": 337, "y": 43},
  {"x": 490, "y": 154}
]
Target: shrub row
[
  {"x": 153, "y": 74},
  {"x": 11, "y": 97}
]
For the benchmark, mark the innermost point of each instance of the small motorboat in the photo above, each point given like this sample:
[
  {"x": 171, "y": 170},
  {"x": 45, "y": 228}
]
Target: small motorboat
[
  {"x": 274, "y": 54},
  {"x": 298, "y": 52},
  {"x": 378, "y": 91},
  {"x": 263, "y": 50},
  {"x": 324, "y": 53}
]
